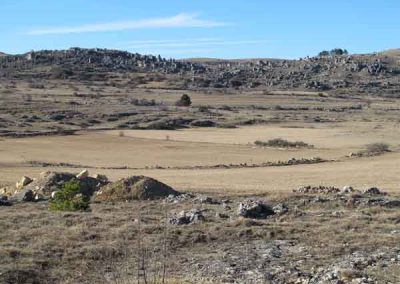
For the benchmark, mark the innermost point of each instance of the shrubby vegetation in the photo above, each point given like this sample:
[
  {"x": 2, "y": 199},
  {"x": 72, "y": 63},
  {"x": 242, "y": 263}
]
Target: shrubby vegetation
[
  {"x": 69, "y": 198},
  {"x": 375, "y": 149},
  {"x": 282, "y": 143},
  {"x": 184, "y": 101},
  {"x": 333, "y": 52}
]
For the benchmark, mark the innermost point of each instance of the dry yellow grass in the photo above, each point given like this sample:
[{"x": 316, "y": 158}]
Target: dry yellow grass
[{"x": 194, "y": 147}]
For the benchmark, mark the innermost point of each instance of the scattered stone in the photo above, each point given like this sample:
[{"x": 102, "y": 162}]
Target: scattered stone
[
  {"x": 317, "y": 189},
  {"x": 39, "y": 197},
  {"x": 185, "y": 218},
  {"x": 49, "y": 182},
  {"x": 179, "y": 198},
  {"x": 254, "y": 209},
  {"x": 23, "y": 182},
  {"x": 24, "y": 195},
  {"x": 319, "y": 199},
  {"x": 101, "y": 178},
  {"x": 280, "y": 209},
  {"x": 83, "y": 174},
  {"x": 373, "y": 190},
  {"x": 206, "y": 200},
  {"x": 135, "y": 188},
  {"x": 6, "y": 191},
  {"x": 4, "y": 201},
  {"x": 348, "y": 189}
]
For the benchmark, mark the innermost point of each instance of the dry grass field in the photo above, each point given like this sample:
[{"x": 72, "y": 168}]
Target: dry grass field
[
  {"x": 334, "y": 237},
  {"x": 143, "y": 151}
]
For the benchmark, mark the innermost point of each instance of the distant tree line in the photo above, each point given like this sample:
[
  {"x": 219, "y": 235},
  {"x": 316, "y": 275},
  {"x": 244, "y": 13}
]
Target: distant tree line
[{"x": 333, "y": 52}]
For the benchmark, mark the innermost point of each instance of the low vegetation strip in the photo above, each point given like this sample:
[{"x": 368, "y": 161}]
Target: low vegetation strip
[
  {"x": 282, "y": 143},
  {"x": 291, "y": 162}
]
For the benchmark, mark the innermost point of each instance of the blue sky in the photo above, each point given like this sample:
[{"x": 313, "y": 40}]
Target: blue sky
[{"x": 206, "y": 28}]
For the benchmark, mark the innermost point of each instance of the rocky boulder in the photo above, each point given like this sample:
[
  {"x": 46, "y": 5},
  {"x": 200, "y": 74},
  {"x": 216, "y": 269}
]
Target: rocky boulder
[
  {"x": 373, "y": 191},
  {"x": 185, "y": 218},
  {"x": 23, "y": 195},
  {"x": 23, "y": 182},
  {"x": 255, "y": 209},
  {"x": 4, "y": 201},
  {"x": 49, "y": 182},
  {"x": 135, "y": 188}
]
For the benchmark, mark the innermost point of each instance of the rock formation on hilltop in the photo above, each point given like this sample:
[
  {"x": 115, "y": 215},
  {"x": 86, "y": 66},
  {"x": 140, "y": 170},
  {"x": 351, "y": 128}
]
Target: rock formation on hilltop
[{"x": 370, "y": 73}]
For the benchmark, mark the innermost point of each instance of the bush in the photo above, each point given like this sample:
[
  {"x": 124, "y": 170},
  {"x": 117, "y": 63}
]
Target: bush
[
  {"x": 375, "y": 148},
  {"x": 69, "y": 198},
  {"x": 184, "y": 101},
  {"x": 324, "y": 53},
  {"x": 333, "y": 52},
  {"x": 281, "y": 143}
]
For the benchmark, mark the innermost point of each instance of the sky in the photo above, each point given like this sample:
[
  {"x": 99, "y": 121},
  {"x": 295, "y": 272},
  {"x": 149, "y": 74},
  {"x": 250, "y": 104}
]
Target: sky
[{"x": 202, "y": 28}]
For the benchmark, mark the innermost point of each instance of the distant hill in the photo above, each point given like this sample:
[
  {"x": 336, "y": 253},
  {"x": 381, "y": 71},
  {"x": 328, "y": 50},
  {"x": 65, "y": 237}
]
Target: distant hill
[
  {"x": 391, "y": 52},
  {"x": 376, "y": 73},
  {"x": 2, "y": 54}
]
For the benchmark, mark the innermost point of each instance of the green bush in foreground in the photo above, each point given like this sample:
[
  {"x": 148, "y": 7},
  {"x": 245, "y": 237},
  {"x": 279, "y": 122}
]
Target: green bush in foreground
[{"x": 69, "y": 198}]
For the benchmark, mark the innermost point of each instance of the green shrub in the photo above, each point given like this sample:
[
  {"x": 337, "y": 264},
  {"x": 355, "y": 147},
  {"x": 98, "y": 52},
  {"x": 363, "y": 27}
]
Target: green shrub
[
  {"x": 281, "y": 143},
  {"x": 69, "y": 198},
  {"x": 184, "y": 101}
]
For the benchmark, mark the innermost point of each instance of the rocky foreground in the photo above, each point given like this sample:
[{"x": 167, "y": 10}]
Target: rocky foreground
[{"x": 316, "y": 234}]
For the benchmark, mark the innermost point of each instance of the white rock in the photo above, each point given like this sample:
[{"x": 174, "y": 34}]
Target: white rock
[
  {"x": 23, "y": 181},
  {"x": 83, "y": 174}
]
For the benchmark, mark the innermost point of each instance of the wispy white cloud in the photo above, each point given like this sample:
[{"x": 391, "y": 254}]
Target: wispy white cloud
[
  {"x": 185, "y": 47},
  {"x": 183, "y": 20},
  {"x": 182, "y": 43}
]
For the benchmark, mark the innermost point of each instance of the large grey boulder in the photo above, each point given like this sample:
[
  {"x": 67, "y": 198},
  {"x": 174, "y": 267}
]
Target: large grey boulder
[
  {"x": 23, "y": 195},
  {"x": 255, "y": 209},
  {"x": 185, "y": 218}
]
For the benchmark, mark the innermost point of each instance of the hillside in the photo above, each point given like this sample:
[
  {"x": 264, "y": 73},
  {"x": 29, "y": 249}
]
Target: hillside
[{"x": 366, "y": 73}]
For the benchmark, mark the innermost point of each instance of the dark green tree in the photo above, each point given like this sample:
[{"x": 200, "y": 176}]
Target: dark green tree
[
  {"x": 184, "y": 101},
  {"x": 69, "y": 198}
]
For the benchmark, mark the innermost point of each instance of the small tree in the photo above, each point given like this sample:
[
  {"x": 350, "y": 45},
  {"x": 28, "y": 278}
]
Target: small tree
[
  {"x": 69, "y": 198},
  {"x": 338, "y": 52},
  {"x": 184, "y": 101},
  {"x": 324, "y": 53}
]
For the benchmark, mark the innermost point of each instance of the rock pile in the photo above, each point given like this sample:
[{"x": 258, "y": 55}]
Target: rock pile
[
  {"x": 317, "y": 189},
  {"x": 43, "y": 187},
  {"x": 135, "y": 188},
  {"x": 185, "y": 218},
  {"x": 254, "y": 209}
]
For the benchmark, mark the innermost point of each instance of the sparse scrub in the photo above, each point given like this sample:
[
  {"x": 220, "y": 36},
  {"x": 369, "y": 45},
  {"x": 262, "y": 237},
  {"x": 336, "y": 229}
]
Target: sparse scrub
[
  {"x": 375, "y": 149},
  {"x": 282, "y": 143},
  {"x": 69, "y": 198},
  {"x": 143, "y": 102}
]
